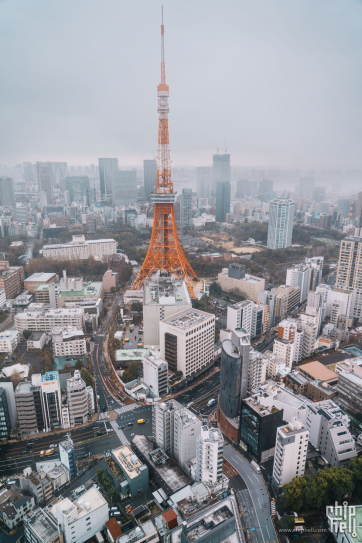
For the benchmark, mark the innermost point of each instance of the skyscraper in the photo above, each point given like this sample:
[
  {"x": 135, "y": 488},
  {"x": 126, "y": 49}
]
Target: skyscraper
[
  {"x": 186, "y": 208},
  {"x": 203, "y": 182},
  {"x": 359, "y": 207},
  {"x": 149, "y": 177},
  {"x": 280, "y": 227},
  {"x": 106, "y": 168},
  {"x": 223, "y": 192},
  {"x": 221, "y": 171},
  {"x": 28, "y": 172},
  {"x": 265, "y": 185},
  {"x": 124, "y": 187},
  {"x": 306, "y": 187},
  {"x": 45, "y": 179},
  {"x": 7, "y": 196},
  {"x": 243, "y": 188},
  {"x": 78, "y": 188}
]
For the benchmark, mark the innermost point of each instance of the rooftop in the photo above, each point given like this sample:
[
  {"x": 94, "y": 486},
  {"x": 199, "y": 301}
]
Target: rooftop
[
  {"x": 316, "y": 370},
  {"x": 41, "y": 276},
  {"x": 204, "y": 523},
  {"x": 189, "y": 318},
  {"x": 43, "y": 527},
  {"x": 91, "y": 500},
  {"x": 140, "y": 532},
  {"x": 166, "y": 291},
  {"x": 128, "y": 461},
  {"x": 65, "y": 334},
  {"x": 8, "y": 334},
  {"x": 53, "y": 469},
  {"x": 49, "y": 376}
]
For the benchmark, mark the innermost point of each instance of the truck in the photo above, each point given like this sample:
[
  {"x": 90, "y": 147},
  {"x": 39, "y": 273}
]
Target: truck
[
  {"x": 255, "y": 466},
  {"x": 49, "y": 452},
  {"x": 131, "y": 327}
]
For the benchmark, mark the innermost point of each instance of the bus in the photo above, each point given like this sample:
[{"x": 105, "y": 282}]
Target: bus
[{"x": 141, "y": 421}]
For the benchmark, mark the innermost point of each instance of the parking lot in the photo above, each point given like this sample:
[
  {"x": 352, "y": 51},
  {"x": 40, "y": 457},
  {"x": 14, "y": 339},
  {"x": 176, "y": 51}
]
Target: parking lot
[{"x": 133, "y": 337}]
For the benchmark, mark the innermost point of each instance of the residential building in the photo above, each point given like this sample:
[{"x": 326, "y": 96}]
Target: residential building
[
  {"x": 186, "y": 208},
  {"x": 162, "y": 298},
  {"x": 9, "y": 340},
  {"x": 163, "y": 416},
  {"x": 36, "y": 341},
  {"x": 221, "y": 171},
  {"x": 299, "y": 276},
  {"x": 77, "y": 399},
  {"x": 209, "y": 456},
  {"x": 203, "y": 182},
  {"x": 2, "y": 299},
  {"x": 135, "y": 472},
  {"x": 258, "y": 428},
  {"x": 349, "y": 386},
  {"x": 113, "y": 530},
  {"x": 349, "y": 271},
  {"x": 146, "y": 532},
  {"x": 187, "y": 428},
  {"x": 68, "y": 456},
  {"x": 276, "y": 367},
  {"x": 55, "y": 472},
  {"x": 38, "y": 485},
  {"x": 48, "y": 320},
  {"x": 257, "y": 370},
  {"x": 29, "y": 407},
  {"x": 124, "y": 188},
  {"x": 11, "y": 279},
  {"x": 187, "y": 341},
  {"x": 269, "y": 298},
  {"x": 52, "y": 400},
  {"x": 5, "y": 423},
  {"x": 329, "y": 433},
  {"x": 13, "y": 508},
  {"x": 149, "y": 177},
  {"x": 90, "y": 400},
  {"x": 93, "y": 222},
  {"x": 280, "y": 226},
  {"x": 234, "y": 373},
  {"x": 81, "y": 249},
  {"x": 285, "y": 349},
  {"x": 7, "y": 194},
  {"x": 234, "y": 279},
  {"x": 82, "y": 519},
  {"x": 45, "y": 180},
  {"x": 223, "y": 196},
  {"x": 106, "y": 168},
  {"x": 68, "y": 342},
  {"x": 315, "y": 263},
  {"x": 290, "y": 453},
  {"x": 240, "y": 315},
  {"x": 41, "y": 527},
  {"x": 155, "y": 373},
  {"x": 292, "y": 294}
]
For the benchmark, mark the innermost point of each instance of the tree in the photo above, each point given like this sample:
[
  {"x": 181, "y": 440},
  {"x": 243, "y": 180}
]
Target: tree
[
  {"x": 78, "y": 365},
  {"x": 178, "y": 373},
  {"x": 215, "y": 288},
  {"x": 87, "y": 378},
  {"x": 27, "y": 333},
  {"x": 286, "y": 523},
  {"x": 113, "y": 290}
]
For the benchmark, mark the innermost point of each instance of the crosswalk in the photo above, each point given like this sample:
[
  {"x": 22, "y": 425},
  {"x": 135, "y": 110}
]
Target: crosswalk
[
  {"x": 120, "y": 434},
  {"x": 104, "y": 415},
  {"x": 125, "y": 408}
]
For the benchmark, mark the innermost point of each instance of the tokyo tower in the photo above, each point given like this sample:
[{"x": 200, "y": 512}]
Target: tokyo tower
[{"x": 164, "y": 252}]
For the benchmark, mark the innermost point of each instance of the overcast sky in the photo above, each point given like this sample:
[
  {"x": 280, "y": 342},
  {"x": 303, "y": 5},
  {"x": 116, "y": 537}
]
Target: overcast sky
[{"x": 279, "y": 82}]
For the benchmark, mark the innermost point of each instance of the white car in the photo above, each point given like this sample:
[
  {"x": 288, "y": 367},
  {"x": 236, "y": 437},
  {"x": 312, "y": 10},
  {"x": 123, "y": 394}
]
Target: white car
[{"x": 53, "y": 446}]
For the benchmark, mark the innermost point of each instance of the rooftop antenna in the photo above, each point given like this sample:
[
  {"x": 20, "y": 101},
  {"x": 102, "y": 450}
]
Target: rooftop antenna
[
  {"x": 217, "y": 148},
  {"x": 226, "y": 147}
]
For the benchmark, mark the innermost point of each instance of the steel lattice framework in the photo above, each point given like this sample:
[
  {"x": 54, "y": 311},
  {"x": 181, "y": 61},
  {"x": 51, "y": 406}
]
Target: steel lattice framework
[{"x": 165, "y": 251}]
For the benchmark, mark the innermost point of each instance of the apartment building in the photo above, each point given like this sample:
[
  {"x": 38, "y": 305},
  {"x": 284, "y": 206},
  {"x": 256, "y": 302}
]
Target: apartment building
[
  {"x": 293, "y": 297},
  {"x": 257, "y": 370},
  {"x": 209, "y": 456},
  {"x": 47, "y": 320},
  {"x": 291, "y": 447},
  {"x": 349, "y": 386},
  {"x": 81, "y": 249},
  {"x": 284, "y": 348},
  {"x": 299, "y": 276},
  {"x": 155, "y": 373},
  {"x": 40, "y": 527},
  {"x": 349, "y": 271},
  {"x": 235, "y": 278},
  {"x": 163, "y": 416},
  {"x": 187, "y": 428},
  {"x": 9, "y": 340},
  {"x": 77, "y": 399},
  {"x": 68, "y": 342},
  {"x": 187, "y": 341},
  {"x": 11, "y": 279}
]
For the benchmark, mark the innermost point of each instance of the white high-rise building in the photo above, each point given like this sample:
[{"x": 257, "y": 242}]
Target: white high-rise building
[
  {"x": 299, "y": 276},
  {"x": 162, "y": 298},
  {"x": 240, "y": 315},
  {"x": 256, "y": 370},
  {"x": 291, "y": 447},
  {"x": 187, "y": 428},
  {"x": 280, "y": 227},
  {"x": 163, "y": 415},
  {"x": 209, "y": 456},
  {"x": 285, "y": 349},
  {"x": 269, "y": 298},
  {"x": 77, "y": 399},
  {"x": 155, "y": 373}
]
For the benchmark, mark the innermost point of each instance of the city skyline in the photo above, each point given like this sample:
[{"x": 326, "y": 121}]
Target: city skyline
[{"x": 292, "y": 97}]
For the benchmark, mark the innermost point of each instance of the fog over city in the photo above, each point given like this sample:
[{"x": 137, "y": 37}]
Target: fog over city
[{"x": 277, "y": 83}]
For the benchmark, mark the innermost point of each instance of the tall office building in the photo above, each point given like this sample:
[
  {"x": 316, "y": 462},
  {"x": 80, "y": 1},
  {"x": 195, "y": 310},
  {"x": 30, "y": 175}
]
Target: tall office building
[
  {"x": 124, "y": 187},
  {"x": 343, "y": 206},
  {"x": 45, "y": 179},
  {"x": 186, "y": 208},
  {"x": 79, "y": 190},
  {"x": 5, "y": 424},
  {"x": 306, "y": 187},
  {"x": 7, "y": 195},
  {"x": 149, "y": 177},
  {"x": 28, "y": 172},
  {"x": 203, "y": 182},
  {"x": 106, "y": 168},
  {"x": 265, "y": 185},
  {"x": 243, "y": 188},
  {"x": 280, "y": 227},
  {"x": 221, "y": 170},
  {"x": 59, "y": 171},
  {"x": 223, "y": 193},
  {"x": 315, "y": 263}
]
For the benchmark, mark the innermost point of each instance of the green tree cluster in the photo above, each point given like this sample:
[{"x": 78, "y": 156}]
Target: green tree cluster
[
  {"x": 326, "y": 487},
  {"x": 27, "y": 333},
  {"x": 132, "y": 372},
  {"x": 74, "y": 267},
  {"x": 86, "y": 376},
  {"x": 215, "y": 289},
  {"x": 107, "y": 485}
]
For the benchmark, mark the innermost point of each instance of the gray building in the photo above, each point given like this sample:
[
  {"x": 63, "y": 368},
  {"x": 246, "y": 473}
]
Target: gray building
[
  {"x": 128, "y": 473},
  {"x": 223, "y": 195},
  {"x": 265, "y": 185},
  {"x": 28, "y": 172},
  {"x": 203, "y": 182},
  {"x": 5, "y": 424},
  {"x": 236, "y": 271},
  {"x": 106, "y": 168},
  {"x": 28, "y": 400},
  {"x": 40, "y": 527},
  {"x": 306, "y": 187},
  {"x": 280, "y": 227},
  {"x": 149, "y": 177},
  {"x": 124, "y": 189},
  {"x": 45, "y": 179},
  {"x": 186, "y": 208},
  {"x": 7, "y": 195},
  {"x": 234, "y": 372},
  {"x": 243, "y": 188},
  {"x": 79, "y": 189},
  {"x": 221, "y": 170}
]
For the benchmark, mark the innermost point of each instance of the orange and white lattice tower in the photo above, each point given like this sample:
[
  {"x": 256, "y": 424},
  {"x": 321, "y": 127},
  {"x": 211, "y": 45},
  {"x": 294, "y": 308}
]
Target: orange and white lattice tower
[{"x": 165, "y": 252}]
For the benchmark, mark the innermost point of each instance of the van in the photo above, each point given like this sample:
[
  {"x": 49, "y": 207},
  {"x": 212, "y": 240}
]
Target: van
[
  {"x": 255, "y": 466},
  {"x": 141, "y": 421}
]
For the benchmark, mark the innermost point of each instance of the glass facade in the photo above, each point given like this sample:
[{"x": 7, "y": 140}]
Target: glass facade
[{"x": 5, "y": 425}]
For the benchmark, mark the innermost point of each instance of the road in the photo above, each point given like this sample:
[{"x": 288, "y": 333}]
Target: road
[
  {"x": 201, "y": 394},
  {"x": 254, "y": 500}
]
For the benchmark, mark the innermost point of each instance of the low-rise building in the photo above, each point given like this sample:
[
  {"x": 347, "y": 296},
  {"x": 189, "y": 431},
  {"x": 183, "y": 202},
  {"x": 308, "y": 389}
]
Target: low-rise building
[
  {"x": 40, "y": 278},
  {"x": 14, "y": 507},
  {"x": 36, "y": 341},
  {"x": 38, "y": 485},
  {"x": 135, "y": 472},
  {"x": 235, "y": 279},
  {"x": 146, "y": 532},
  {"x": 9, "y": 340},
  {"x": 41, "y": 527},
  {"x": 69, "y": 342},
  {"x": 56, "y": 473},
  {"x": 47, "y": 320},
  {"x": 79, "y": 248}
]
